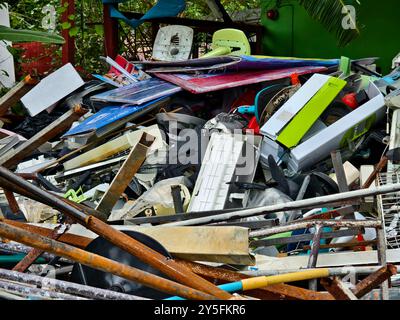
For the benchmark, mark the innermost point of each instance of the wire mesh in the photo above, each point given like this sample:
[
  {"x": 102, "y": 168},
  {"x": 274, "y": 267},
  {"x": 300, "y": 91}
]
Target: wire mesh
[{"x": 389, "y": 207}]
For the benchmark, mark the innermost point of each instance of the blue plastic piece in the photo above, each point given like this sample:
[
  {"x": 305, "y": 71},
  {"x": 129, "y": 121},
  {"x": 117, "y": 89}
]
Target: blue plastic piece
[
  {"x": 162, "y": 9},
  {"x": 228, "y": 287},
  {"x": 247, "y": 109},
  {"x": 232, "y": 287}
]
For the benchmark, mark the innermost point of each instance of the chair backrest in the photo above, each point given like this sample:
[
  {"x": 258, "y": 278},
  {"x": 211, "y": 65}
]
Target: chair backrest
[
  {"x": 229, "y": 42},
  {"x": 232, "y": 38}
]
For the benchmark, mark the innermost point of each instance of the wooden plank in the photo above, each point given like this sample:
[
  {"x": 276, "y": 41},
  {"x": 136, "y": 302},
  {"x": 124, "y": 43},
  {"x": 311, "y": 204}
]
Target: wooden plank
[
  {"x": 125, "y": 174},
  {"x": 13, "y": 157},
  {"x": 15, "y": 94},
  {"x": 111, "y": 148}
]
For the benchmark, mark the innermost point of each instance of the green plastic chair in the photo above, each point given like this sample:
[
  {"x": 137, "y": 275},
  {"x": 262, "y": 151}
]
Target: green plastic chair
[{"x": 229, "y": 42}]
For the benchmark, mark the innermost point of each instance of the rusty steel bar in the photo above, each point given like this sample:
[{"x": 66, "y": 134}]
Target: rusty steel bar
[
  {"x": 338, "y": 272},
  {"x": 121, "y": 240},
  {"x": 28, "y": 291},
  {"x": 311, "y": 223},
  {"x": 374, "y": 280},
  {"x": 379, "y": 167},
  {"x": 100, "y": 263},
  {"x": 28, "y": 176},
  {"x": 66, "y": 287},
  {"x": 312, "y": 260},
  {"x": 14, "y": 157},
  {"x": 316, "y": 242},
  {"x": 69, "y": 238},
  {"x": 337, "y": 289},
  {"x": 5, "y": 184},
  {"x": 273, "y": 292},
  {"x": 155, "y": 259},
  {"x": 338, "y": 199},
  {"x": 344, "y": 245},
  {"x": 24, "y": 192},
  {"x": 34, "y": 254},
  {"x": 16, "y": 248},
  {"x": 12, "y": 202}
]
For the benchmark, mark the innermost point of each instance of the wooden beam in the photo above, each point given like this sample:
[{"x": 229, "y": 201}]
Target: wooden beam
[
  {"x": 15, "y": 156},
  {"x": 125, "y": 174},
  {"x": 15, "y": 94}
]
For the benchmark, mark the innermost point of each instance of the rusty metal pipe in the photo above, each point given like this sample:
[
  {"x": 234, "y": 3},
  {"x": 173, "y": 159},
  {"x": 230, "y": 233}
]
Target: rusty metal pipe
[
  {"x": 69, "y": 238},
  {"x": 155, "y": 259},
  {"x": 273, "y": 292},
  {"x": 100, "y": 263},
  {"x": 12, "y": 202},
  {"x": 66, "y": 287},
  {"x": 29, "y": 291},
  {"x": 121, "y": 240}
]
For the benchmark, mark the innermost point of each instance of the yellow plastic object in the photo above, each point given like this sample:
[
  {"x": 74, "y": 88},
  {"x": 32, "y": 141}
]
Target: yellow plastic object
[
  {"x": 229, "y": 41},
  {"x": 260, "y": 282}
]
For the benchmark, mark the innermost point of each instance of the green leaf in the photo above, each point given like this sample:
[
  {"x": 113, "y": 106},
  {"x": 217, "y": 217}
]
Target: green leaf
[
  {"x": 71, "y": 17},
  {"x": 13, "y": 35},
  {"x": 99, "y": 29},
  {"x": 73, "y": 31},
  {"x": 61, "y": 10},
  {"x": 329, "y": 14},
  {"x": 66, "y": 25}
]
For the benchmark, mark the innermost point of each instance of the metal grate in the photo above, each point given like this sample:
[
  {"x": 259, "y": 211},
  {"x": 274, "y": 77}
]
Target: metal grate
[{"x": 389, "y": 207}]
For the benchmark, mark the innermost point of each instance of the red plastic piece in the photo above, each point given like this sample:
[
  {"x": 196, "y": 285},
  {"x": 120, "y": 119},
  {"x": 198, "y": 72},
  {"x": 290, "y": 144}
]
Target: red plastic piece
[
  {"x": 253, "y": 127},
  {"x": 350, "y": 100},
  {"x": 294, "y": 78},
  {"x": 273, "y": 14}
]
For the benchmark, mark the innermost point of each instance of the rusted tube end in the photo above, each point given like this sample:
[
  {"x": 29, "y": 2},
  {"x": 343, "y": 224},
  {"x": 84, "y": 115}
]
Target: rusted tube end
[
  {"x": 392, "y": 269},
  {"x": 79, "y": 110},
  {"x": 29, "y": 80}
]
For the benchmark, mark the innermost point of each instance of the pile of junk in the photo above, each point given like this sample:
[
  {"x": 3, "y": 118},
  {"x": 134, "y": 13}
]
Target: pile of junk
[{"x": 229, "y": 176}]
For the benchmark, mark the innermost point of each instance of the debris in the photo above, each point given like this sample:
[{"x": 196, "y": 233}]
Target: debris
[{"x": 178, "y": 178}]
